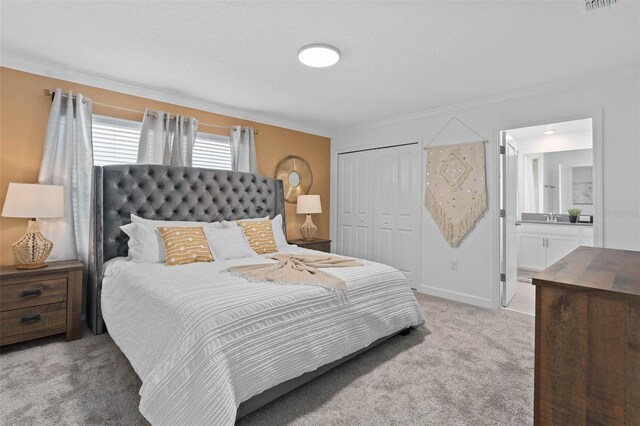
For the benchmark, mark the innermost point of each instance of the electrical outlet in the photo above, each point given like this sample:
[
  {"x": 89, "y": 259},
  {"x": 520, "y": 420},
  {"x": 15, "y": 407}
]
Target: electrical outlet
[{"x": 454, "y": 265}]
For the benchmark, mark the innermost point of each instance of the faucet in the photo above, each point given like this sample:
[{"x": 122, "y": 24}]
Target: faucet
[{"x": 551, "y": 217}]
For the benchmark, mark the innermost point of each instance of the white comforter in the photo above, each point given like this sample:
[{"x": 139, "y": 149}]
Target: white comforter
[{"x": 203, "y": 341}]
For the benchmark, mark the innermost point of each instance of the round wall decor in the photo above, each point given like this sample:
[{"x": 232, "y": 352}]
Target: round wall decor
[{"x": 296, "y": 175}]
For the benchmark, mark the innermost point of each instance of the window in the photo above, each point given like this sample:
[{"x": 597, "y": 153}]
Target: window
[
  {"x": 115, "y": 141},
  {"x": 212, "y": 151}
]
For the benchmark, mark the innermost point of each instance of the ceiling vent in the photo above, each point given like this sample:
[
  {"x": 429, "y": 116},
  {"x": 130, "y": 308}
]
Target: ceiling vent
[{"x": 593, "y": 5}]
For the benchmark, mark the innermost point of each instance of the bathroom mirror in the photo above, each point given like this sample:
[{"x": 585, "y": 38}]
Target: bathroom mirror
[
  {"x": 296, "y": 177},
  {"x": 556, "y": 181}
]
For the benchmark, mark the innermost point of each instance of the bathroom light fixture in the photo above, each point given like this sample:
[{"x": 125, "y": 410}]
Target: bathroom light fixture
[
  {"x": 318, "y": 55},
  {"x": 549, "y": 132}
]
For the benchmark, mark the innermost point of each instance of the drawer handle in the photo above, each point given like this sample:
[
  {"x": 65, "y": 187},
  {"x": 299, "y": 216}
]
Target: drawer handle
[
  {"x": 30, "y": 318},
  {"x": 34, "y": 292}
]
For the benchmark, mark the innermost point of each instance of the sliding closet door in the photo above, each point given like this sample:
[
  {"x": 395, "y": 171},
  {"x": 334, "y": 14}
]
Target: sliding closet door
[
  {"x": 355, "y": 205},
  {"x": 397, "y": 196}
]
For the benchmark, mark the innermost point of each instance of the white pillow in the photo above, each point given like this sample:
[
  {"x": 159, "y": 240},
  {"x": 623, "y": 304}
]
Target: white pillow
[
  {"x": 233, "y": 224},
  {"x": 177, "y": 223},
  {"x": 145, "y": 243},
  {"x": 278, "y": 233},
  {"x": 228, "y": 243},
  {"x": 276, "y": 227}
]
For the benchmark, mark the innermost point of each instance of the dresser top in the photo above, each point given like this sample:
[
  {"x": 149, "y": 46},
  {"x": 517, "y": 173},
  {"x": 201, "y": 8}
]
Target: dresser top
[
  {"x": 593, "y": 268},
  {"x": 10, "y": 271}
]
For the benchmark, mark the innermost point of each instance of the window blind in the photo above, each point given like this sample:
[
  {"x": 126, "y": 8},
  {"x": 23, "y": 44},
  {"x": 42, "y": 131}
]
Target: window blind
[
  {"x": 212, "y": 151},
  {"x": 115, "y": 141}
]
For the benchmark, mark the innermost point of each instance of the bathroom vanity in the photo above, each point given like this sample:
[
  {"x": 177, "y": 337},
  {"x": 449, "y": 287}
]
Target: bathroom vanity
[{"x": 541, "y": 244}]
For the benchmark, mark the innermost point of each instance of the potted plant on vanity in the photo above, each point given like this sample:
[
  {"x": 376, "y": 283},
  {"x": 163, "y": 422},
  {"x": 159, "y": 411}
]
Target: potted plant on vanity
[{"x": 573, "y": 215}]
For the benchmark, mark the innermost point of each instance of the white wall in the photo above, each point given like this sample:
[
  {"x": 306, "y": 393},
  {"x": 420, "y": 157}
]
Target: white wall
[
  {"x": 476, "y": 279},
  {"x": 557, "y": 142}
]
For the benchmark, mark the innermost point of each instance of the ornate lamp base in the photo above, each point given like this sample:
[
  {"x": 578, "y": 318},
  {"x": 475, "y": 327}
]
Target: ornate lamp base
[
  {"x": 32, "y": 249},
  {"x": 308, "y": 230}
]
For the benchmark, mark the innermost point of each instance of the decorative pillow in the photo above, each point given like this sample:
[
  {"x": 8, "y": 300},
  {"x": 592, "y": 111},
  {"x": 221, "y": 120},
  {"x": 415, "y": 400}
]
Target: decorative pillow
[
  {"x": 229, "y": 243},
  {"x": 260, "y": 235},
  {"x": 184, "y": 245},
  {"x": 276, "y": 225}
]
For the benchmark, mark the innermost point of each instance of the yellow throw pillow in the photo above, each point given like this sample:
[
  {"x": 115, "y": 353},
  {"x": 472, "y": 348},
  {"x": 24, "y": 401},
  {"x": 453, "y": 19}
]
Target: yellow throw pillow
[
  {"x": 184, "y": 245},
  {"x": 260, "y": 235}
]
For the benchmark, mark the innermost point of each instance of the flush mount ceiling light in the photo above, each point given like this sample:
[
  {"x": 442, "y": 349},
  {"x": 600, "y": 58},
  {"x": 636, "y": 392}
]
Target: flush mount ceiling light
[
  {"x": 549, "y": 132},
  {"x": 318, "y": 55}
]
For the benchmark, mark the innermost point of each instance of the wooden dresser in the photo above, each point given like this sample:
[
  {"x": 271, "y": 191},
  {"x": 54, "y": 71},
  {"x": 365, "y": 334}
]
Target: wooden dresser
[
  {"x": 317, "y": 244},
  {"x": 587, "y": 368},
  {"x": 40, "y": 302}
]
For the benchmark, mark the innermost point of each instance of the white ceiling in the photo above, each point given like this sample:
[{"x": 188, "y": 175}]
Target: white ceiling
[
  {"x": 564, "y": 127},
  {"x": 398, "y": 57}
]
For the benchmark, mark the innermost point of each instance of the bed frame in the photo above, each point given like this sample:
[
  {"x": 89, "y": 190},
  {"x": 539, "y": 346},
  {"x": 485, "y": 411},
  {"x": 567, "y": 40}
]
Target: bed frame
[{"x": 179, "y": 193}]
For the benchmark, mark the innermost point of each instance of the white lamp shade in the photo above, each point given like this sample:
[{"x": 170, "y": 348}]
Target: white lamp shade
[
  {"x": 33, "y": 200},
  {"x": 308, "y": 204}
]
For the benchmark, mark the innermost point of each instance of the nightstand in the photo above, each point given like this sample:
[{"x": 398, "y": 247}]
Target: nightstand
[
  {"x": 317, "y": 244},
  {"x": 40, "y": 302}
]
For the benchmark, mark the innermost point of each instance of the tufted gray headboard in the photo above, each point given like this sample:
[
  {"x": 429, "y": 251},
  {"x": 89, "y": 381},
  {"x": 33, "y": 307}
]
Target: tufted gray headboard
[{"x": 166, "y": 193}]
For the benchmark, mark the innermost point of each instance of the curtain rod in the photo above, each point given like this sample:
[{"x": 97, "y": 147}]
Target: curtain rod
[{"x": 50, "y": 93}]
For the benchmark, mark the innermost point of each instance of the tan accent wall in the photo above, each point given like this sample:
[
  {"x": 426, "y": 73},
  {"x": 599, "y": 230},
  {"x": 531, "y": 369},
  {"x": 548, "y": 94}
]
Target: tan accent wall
[{"x": 23, "y": 119}]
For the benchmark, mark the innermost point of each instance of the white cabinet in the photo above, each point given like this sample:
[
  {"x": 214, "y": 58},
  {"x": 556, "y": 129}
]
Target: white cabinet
[
  {"x": 558, "y": 246},
  {"x": 542, "y": 245},
  {"x": 531, "y": 251}
]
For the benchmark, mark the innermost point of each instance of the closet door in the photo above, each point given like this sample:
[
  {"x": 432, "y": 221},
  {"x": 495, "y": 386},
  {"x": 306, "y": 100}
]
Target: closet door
[
  {"x": 355, "y": 205},
  {"x": 397, "y": 197}
]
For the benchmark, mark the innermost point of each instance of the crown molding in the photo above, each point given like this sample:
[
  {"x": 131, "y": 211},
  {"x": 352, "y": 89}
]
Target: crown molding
[
  {"x": 614, "y": 76},
  {"x": 9, "y": 60}
]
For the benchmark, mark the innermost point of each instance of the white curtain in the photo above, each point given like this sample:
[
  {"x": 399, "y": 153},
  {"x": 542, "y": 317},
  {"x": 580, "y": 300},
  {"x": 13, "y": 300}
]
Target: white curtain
[
  {"x": 67, "y": 161},
  {"x": 184, "y": 137},
  {"x": 166, "y": 140},
  {"x": 243, "y": 150}
]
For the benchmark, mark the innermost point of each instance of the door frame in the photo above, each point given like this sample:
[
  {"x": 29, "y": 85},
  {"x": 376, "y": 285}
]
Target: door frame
[{"x": 596, "y": 116}]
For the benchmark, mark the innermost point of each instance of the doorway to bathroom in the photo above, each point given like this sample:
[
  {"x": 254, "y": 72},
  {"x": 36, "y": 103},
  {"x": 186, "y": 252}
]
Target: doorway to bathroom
[{"x": 550, "y": 201}]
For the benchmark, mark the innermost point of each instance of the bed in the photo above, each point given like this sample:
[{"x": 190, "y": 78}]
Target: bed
[{"x": 209, "y": 346}]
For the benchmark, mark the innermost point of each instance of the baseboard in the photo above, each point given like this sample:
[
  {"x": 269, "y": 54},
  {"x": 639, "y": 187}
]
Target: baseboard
[{"x": 483, "y": 302}]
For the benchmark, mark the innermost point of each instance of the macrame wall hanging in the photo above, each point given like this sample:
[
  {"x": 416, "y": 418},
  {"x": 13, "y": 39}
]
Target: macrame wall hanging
[{"x": 456, "y": 189}]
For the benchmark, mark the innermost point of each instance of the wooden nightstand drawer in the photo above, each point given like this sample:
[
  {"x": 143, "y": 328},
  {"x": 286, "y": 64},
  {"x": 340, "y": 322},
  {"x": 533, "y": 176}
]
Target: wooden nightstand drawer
[
  {"x": 33, "y": 319},
  {"x": 33, "y": 293}
]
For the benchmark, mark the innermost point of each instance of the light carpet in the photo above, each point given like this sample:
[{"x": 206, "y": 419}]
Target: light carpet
[{"x": 467, "y": 366}]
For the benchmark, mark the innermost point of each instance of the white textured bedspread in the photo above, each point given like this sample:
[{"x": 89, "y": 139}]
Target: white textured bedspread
[{"x": 203, "y": 341}]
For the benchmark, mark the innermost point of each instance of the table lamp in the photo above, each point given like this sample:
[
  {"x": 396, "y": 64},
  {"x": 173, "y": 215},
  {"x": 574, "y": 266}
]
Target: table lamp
[
  {"x": 308, "y": 204},
  {"x": 33, "y": 201}
]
